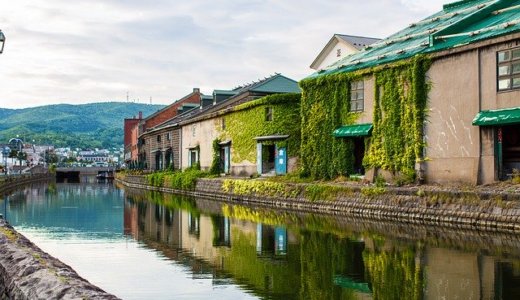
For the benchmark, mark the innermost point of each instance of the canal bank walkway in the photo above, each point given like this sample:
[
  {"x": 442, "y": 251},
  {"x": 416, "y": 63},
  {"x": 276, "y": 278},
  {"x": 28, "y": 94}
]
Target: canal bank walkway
[{"x": 487, "y": 208}]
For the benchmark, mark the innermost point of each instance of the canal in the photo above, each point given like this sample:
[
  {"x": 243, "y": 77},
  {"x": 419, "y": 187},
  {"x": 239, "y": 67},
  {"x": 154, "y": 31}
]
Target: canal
[{"x": 148, "y": 245}]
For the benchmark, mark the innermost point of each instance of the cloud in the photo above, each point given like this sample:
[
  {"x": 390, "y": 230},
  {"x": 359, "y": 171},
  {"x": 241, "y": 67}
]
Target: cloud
[{"x": 61, "y": 51}]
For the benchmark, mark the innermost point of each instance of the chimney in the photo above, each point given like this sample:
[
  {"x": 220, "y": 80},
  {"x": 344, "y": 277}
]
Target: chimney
[
  {"x": 140, "y": 115},
  {"x": 196, "y": 90}
]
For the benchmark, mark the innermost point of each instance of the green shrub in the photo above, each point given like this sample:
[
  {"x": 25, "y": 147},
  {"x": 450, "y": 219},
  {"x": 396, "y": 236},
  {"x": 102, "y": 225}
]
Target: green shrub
[{"x": 315, "y": 192}]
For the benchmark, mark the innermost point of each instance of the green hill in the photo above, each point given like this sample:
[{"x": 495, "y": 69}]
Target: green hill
[{"x": 95, "y": 125}]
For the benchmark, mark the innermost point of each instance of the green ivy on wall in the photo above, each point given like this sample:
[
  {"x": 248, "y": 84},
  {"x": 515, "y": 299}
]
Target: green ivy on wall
[
  {"x": 396, "y": 142},
  {"x": 248, "y": 121},
  {"x": 325, "y": 106},
  {"x": 215, "y": 168},
  {"x": 399, "y": 114}
]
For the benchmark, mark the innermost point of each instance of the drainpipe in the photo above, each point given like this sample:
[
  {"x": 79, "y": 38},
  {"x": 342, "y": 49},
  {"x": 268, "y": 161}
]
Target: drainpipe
[
  {"x": 479, "y": 164},
  {"x": 180, "y": 148}
]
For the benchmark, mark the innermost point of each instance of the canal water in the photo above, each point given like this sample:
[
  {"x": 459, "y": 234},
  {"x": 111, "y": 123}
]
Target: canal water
[{"x": 146, "y": 245}]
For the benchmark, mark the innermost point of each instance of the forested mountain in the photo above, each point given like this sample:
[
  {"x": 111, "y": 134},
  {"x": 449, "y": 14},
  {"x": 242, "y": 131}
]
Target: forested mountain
[{"x": 95, "y": 125}]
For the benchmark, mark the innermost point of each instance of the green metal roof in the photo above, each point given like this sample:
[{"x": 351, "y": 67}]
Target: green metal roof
[
  {"x": 459, "y": 23},
  {"x": 497, "y": 117},
  {"x": 276, "y": 83},
  {"x": 353, "y": 130}
]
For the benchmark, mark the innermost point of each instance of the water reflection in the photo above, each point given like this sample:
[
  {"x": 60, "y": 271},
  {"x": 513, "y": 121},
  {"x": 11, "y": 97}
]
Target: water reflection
[
  {"x": 278, "y": 256},
  {"x": 166, "y": 246}
]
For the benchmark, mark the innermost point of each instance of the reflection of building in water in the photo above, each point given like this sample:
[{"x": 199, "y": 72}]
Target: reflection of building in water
[
  {"x": 271, "y": 240},
  {"x": 452, "y": 274},
  {"x": 221, "y": 231},
  {"x": 276, "y": 262}
]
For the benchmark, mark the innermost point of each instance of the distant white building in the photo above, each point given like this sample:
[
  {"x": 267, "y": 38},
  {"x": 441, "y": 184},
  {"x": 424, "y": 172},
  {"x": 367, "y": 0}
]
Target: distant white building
[
  {"x": 339, "y": 46},
  {"x": 36, "y": 153}
]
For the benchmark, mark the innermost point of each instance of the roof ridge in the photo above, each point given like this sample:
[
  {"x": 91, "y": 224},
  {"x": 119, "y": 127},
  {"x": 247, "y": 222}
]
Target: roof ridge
[
  {"x": 251, "y": 84},
  {"x": 357, "y": 36},
  {"x": 458, "y": 3},
  {"x": 482, "y": 10}
]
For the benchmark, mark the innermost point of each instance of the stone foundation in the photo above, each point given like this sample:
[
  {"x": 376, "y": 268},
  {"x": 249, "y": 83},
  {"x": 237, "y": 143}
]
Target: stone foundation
[{"x": 481, "y": 212}]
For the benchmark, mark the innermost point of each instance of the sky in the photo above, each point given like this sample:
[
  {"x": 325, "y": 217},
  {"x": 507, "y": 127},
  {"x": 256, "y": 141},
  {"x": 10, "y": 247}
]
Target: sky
[{"x": 84, "y": 51}]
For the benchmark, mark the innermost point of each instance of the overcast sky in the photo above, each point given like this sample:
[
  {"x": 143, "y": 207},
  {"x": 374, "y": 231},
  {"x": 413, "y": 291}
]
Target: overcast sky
[{"x": 82, "y": 51}]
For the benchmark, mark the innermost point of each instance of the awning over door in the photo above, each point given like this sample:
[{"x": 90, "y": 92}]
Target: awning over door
[
  {"x": 270, "y": 138},
  {"x": 353, "y": 130},
  {"x": 497, "y": 117}
]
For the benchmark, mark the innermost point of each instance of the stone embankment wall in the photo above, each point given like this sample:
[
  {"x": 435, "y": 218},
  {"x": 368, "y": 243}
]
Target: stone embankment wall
[
  {"x": 26, "y": 272},
  {"x": 12, "y": 182},
  {"x": 465, "y": 210}
]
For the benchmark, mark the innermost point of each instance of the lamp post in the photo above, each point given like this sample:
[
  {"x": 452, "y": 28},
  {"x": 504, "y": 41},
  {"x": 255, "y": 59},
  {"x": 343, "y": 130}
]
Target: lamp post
[
  {"x": 2, "y": 41},
  {"x": 5, "y": 152},
  {"x": 18, "y": 143}
]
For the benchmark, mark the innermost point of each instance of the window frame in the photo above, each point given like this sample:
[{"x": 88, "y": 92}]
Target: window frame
[
  {"x": 269, "y": 114},
  {"x": 191, "y": 152},
  {"x": 357, "y": 96},
  {"x": 510, "y": 62}
]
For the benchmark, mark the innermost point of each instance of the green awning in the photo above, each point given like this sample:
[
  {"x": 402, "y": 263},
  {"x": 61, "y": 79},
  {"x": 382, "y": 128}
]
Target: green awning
[
  {"x": 350, "y": 284},
  {"x": 497, "y": 117},
  {"x": 353, "y": 130}
]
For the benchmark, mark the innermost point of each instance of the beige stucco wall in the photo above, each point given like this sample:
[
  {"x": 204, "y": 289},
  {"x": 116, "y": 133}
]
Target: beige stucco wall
[
  {"x": 453, "y": 144},
  {"x": 369, "y": 93},
  {"x": 201, "y": 134}
]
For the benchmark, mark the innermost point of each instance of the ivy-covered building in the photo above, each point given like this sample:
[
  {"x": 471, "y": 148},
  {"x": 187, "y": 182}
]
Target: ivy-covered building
[
  {"x": 438, "y": 101},
  {"x": 245, "y": 131}
]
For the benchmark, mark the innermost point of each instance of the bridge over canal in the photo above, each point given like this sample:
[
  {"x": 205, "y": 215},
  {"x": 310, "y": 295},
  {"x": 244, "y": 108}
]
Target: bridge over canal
[{"x": 74, "y": 174}]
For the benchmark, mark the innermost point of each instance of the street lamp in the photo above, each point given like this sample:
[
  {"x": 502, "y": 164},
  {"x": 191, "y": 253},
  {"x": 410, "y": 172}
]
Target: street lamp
[
  {"x": 5, "y": 152},
  {"x": 2, "y": 41},
  {"x": 18, "y": 143}
]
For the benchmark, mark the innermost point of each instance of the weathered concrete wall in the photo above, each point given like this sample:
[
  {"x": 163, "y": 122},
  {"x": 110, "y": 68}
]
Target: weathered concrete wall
[
  {"x": 491, "y": 99},
  {"x": 26, "y": 272},
  {"x": 461, "y": 210},
  {"x": 452, "y": 142}
]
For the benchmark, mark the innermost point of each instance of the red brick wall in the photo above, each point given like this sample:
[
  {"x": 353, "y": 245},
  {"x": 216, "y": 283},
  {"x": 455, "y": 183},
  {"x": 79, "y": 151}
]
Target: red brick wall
[
  {"x": 133, "y": 143},
  {"x": 129, "y": 125},
  {"x": 171, "y": 111}
]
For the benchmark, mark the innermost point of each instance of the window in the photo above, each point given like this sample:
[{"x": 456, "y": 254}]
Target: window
[
  {"x": 338, "y": 53},
  {"x": 168, "y": 136},
  {"x": 193, "y": 156},
  {"x": 158, "y": 138},
  {"x": 223, "y": 124},
  {"x": 508, "y": 69},
  {"x": 357, "y": 96},
  {"x": 268, "y": 114}
]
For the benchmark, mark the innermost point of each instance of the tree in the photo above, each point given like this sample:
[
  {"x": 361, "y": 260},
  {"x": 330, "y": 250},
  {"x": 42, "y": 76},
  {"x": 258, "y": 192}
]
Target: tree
[{"x": 51, "y": 157}]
